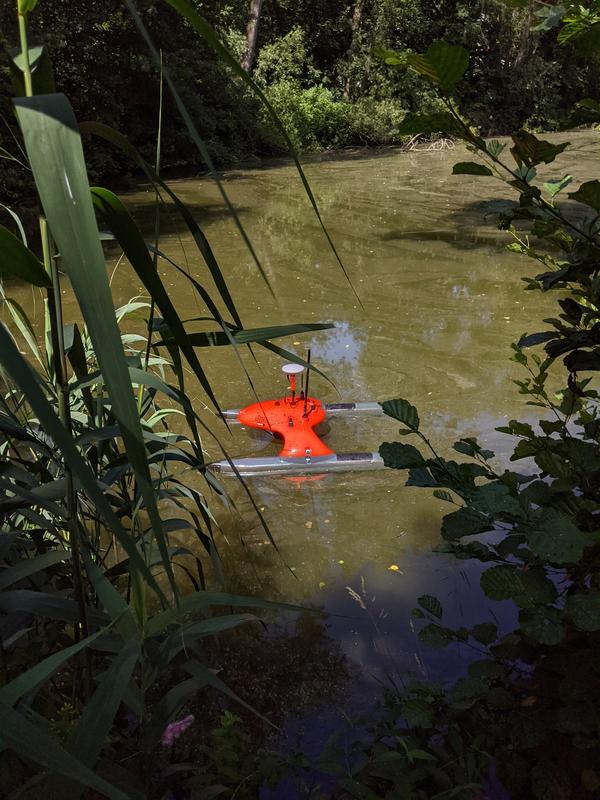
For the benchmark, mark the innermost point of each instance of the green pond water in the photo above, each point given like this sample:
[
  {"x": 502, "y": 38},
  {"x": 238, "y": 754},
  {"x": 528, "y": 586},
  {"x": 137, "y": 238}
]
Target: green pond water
[{"x": 442, "y": 300}]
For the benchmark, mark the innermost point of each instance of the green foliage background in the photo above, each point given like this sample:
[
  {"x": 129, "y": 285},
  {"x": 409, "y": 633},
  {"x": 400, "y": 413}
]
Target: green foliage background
[{"x": 307, "y": 60}]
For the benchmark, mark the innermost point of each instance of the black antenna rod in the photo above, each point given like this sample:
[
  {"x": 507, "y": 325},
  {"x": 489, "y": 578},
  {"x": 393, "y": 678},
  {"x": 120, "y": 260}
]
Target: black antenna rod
[{"x": 307, "y": 377}]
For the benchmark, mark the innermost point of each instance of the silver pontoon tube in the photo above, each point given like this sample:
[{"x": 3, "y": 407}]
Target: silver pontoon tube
[
  {"x": 274, "y": 465},
  {"x": 331, "y": 410}
]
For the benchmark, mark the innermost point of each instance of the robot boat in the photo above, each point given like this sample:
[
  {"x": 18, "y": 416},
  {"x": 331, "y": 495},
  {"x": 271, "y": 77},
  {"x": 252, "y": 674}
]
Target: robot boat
[{"x": 292, "y": 420}]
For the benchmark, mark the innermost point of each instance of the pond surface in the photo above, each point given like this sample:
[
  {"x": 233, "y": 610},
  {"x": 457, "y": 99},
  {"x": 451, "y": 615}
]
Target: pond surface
[{"x": 442, "y": 300}]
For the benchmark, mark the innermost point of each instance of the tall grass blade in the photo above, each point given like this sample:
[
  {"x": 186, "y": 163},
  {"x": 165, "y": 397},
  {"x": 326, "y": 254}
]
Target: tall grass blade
[
  {"x": 209, "y": 35},
  {"x": 198, "y": 141},
  {"x": 122, "y": 142},
  {"x": 25, "y": 378},
  {"x": 55, "y": 153},
  {"x": 26, "y": 682},
  {"x": 95, "y": 723},
  {"x": 114, "y": 214},
  {"x": 33, "y": 744},
  {"x": 29, "y": 566},
  {"x": 17, "y": 261}
]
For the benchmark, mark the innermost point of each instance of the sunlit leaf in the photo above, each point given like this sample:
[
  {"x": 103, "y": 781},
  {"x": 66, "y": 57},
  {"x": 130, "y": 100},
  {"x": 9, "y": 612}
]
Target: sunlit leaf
[{"x": 443, "y": 63}]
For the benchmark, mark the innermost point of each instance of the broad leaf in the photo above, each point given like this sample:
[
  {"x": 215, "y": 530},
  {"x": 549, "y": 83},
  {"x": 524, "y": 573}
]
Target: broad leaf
[
  {"x": 502, "y": 582},
  {"x": 403, "y": 411},
  {"x": 400, "y": 456},
  {"x": 443, "y": 63},
  {"x": 437, "y": 122},
  {"x": 485, "y": 632},
  {"x": 464, "y": 522},
  {"x": 553, "y": 537},
  {"x": 470, "y": 168},
  {"x": 436, "y": 636},
  {"x": 431, "y": 604},
  {"x": 584, "y": 610},
  {"x": 542, "y": 624},
  {"x": 418, "y": 713},
  {"x": 588, "y": 194},
  {"x": 554, "y": 187},
  {"x": 530, "y": 150}
]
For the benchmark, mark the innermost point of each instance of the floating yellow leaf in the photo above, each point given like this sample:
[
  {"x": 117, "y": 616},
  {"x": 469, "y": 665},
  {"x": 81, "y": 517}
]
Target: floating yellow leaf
[
  {"x": 341, "y": 562},
  {"x": 395, "y": 568}
]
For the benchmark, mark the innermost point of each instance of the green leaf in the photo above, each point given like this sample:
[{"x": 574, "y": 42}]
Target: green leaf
[
  {"x": 23, "y": 376},
  {"x": 391, "y": 57},
  {"x": 470, "y": 168},
  {"x": 542, "y": 624},
  {"x": 554, "y": 187},
  {"x": 494, "y": 499},
  {"x": 17, "y": 261},
  {"x": 588, "y": 194},
  {"x": 400, "y": 456},
  {"x": 502, "y": 582},
  {"x": 55, "y": 153},
  {"x": 94, "y": 725},
  {"x": 530, "y": 150},
  {"x": 436, "y": 636},
  {"x": 431, "y": 604},
  {"x": 403, "y": 411},
  {"x": 437, "y": 122},
  {"x": 42, "y": 74},
  {"x": 485, "y": 669},
  {"x": 26, "y": 6},
  {"x": 249, "y": 335},
  {"x": 443, "y": 63},
  {"x": 553, "y": 537},
  {"x": 495, "y": 148},
  {"x": 584, "y": 610},
  {"x": 27, "y": 681},
  {"x": 33, "y": 744},
  {"x": 485, "y": 632},
  {"x": 464, "y": 522},
  {"x": 114, "y": 214},
  {"x": 29, "y": 566},
  {"x": 418, "y": 713}
]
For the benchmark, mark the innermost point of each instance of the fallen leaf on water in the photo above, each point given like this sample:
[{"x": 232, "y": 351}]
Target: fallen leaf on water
[
  {"x": 322, "y": 584},
  {"x": 395, "y": 568},
  {"x": 341, "y": 562},
  {"x": 308, "y": 524}
]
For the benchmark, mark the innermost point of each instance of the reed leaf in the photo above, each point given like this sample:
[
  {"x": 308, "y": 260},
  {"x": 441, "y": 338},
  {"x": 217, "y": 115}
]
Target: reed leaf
[
  {"x": 17, "y": 261},
  {"x": 29, "y": 566},
  {"x": 249, "y": 335},
  {"x": 202, "y": 27},
  {"x": 197, "y": 140},
  {"x": 114, "y": 214},
  {"x": 122, "y": 142},
  {"x": 33, "y": 744},
  {"x": 55, "y": 153},
  {"x": 25, "y": 378}
]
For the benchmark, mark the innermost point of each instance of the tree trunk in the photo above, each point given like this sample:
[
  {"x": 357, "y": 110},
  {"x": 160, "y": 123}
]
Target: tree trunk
[
  {"x": 252, "y": 35},
  {"x": 355, "y": 25}
]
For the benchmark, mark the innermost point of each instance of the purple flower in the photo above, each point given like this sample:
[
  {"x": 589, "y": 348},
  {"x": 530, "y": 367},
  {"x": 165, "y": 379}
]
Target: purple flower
[{"x": 175, "y": 729}]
